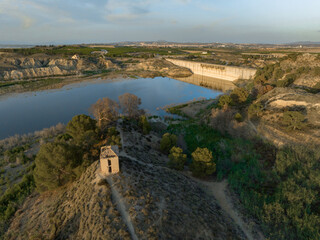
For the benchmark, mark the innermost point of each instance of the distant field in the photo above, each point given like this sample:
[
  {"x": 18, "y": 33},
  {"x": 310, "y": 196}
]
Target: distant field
[{"x": 85, "y": 50}]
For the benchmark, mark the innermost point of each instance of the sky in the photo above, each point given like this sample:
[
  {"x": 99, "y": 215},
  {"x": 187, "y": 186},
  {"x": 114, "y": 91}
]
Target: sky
[{"x": 107, "y": 21}]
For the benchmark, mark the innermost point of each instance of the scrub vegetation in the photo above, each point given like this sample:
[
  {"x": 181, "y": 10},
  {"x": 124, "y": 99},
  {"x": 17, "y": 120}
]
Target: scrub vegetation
[{"x": 83, "y": 50}]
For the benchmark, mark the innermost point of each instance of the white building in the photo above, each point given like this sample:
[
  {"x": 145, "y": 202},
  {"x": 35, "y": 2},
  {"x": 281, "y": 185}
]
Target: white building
[{"x": 109, "y": 160}]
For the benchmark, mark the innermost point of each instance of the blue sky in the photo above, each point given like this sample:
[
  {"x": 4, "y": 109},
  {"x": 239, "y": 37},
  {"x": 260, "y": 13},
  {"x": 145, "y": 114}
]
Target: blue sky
[{"x": 103, "y": 21}]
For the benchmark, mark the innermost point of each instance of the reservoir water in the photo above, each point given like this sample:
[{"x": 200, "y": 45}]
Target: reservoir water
[{"x": 27, "y": 112}]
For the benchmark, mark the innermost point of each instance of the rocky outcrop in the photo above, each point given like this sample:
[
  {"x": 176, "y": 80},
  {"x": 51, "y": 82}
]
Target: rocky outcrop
[
  {"x": 36, "y": 72},
  {"x": 281, "y": 99},
  {"x": 159, "y": 65},
  {"x": 310, "y": 78},
  {"x": 308, "y": 82},
  {"x": 15, "y": 67}
]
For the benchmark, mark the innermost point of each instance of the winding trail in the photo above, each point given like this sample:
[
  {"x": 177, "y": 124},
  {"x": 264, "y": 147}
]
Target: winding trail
[
  {"x": 218, "y": 191},
  {"x": 118, "y": 200}
]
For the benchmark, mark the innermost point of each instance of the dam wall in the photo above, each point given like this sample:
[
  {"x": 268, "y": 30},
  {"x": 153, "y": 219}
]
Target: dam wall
[{"x": 216, "y": 71}]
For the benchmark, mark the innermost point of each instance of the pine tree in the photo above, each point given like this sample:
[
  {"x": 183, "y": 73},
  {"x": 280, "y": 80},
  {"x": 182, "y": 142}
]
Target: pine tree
[{"x": 56, "y": 163}]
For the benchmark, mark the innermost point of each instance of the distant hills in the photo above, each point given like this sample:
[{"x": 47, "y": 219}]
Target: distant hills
[{"x": 304, "y": 43}]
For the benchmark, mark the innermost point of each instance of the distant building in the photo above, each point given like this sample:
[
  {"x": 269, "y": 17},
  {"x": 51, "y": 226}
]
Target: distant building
[
  {"x": 109, "y": 160},
  {"x": 75, "y": 57},
  {"x": 204, "y": 53},
  {"x": 102, "y": 52}
]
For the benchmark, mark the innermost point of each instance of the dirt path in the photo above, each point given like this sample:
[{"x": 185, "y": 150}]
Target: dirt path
[
  {"x": 218, "y": 191},
  {"x": 118, "y": 200}
]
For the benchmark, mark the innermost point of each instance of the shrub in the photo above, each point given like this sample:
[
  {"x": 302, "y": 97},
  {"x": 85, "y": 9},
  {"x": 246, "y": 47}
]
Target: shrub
[
  {"x": 302, "y": 70},
  {"x": 293, "y": 120},
  {"x": 177, "y": 158},
  {"x": 202, "y": 162},
  {"x": 289, "y": 79},
  {"x": 262, "y": 89},
  {"x": 13, "y": 197},
  {"x": 224, "y": 101},
  {"x": 144, "y": 124},
  {"x": 316, "y": 71},
  {"x": 239, "y": 96},
  {"x": 238, "y": 117},
  {"x": 113, "y": 137},
  {"x": 221, "y": 119},
  {"x": 265, "y": 74},
  {"x": 167, "y": 142},
  {"x": 255, "y": 110},
  {"x": 293, "y": 56},
  {"x": 278, "y": 73}
]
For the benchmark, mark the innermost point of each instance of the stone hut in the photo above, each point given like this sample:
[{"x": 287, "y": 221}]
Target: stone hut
[{"x": 109, "y": 160}]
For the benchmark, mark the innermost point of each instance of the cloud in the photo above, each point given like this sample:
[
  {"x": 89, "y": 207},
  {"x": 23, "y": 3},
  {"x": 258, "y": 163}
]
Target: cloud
[
  {"x": 11, "y": 10},
  {"x": 126, "y": 10}
]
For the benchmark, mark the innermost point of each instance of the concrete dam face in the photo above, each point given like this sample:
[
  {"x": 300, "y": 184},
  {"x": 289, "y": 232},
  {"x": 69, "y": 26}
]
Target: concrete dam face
[{"x": 216, "y": 71}]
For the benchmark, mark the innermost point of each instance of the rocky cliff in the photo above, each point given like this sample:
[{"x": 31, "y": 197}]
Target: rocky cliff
[{"x": 14, "y": 67}]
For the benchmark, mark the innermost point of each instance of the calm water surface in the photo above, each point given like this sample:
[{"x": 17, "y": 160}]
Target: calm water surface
[{"x": 28, "y": 112}]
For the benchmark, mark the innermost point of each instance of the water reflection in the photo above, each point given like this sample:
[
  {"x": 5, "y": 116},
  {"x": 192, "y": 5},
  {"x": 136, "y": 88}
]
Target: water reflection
[{"x": 214, "y": 83}]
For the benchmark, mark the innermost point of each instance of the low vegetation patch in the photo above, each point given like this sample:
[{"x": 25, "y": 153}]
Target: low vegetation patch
[
  {"x": 277, "y": 186},
  {"x": 293, "y": 120}
]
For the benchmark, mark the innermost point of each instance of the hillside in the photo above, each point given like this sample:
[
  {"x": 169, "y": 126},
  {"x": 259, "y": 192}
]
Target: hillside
[{"x": 158, "y": 200}]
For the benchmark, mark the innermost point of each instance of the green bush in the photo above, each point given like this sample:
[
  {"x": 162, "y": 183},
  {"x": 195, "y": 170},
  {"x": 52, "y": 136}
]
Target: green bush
[
  {"x": 294, "y": 120},
  {"x": 289, "y": 79},
  {"x": 202, "y": 162},
  {"x": 13, "y": 197},
  {"x": 293, "y": 56},
  {"x": 239, "y": 96},
  {"x": 224, "y": 101},
  {"x": 278, "y": 73},
  {"x": 255, "y": 110},
  {"x": 144, "y": 124},
  {"x": 238, "y": 117},
  {"x": 302, "y": 70},
  {"x": 177, "y": 158},
  {"x": 265, "y": 74},
  {"x": 167, "y": 142}
]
